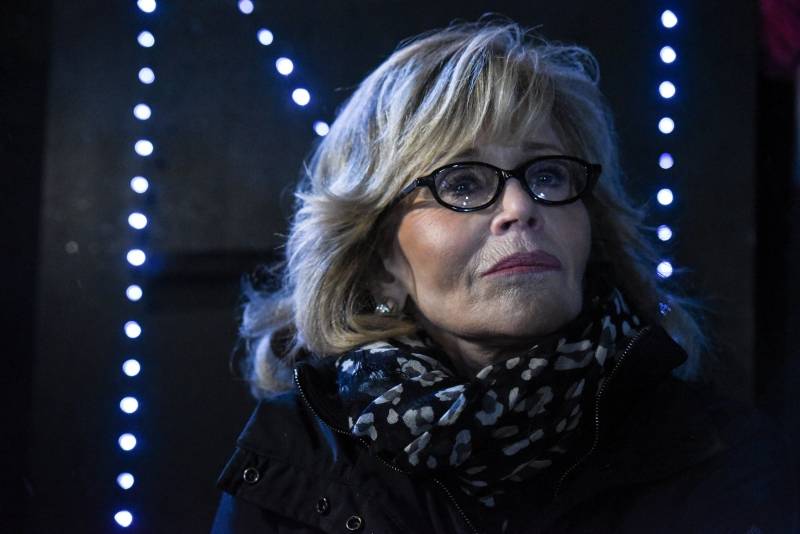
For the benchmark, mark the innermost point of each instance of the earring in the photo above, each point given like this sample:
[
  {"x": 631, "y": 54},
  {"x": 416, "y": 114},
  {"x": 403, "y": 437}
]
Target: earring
[{"x": 387, "y": 307}]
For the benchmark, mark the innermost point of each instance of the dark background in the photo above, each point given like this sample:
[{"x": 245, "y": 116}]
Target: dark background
[{"x": 229, "y": 142}]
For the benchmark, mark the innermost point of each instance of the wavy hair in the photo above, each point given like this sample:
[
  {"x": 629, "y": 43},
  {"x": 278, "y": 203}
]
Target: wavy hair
[{"x": 431, "y": 99}]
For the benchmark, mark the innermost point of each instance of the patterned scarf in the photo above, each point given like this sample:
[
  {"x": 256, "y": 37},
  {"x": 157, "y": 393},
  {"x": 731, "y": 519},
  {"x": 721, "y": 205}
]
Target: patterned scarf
[{"x": 501, "y": 427}]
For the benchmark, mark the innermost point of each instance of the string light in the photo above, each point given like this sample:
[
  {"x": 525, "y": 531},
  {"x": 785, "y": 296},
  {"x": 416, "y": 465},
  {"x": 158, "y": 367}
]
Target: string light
[
  {"x": 285, "y": 67},
  {"x": 136, "y": 257},
  {"x": 666, "y": 125}
]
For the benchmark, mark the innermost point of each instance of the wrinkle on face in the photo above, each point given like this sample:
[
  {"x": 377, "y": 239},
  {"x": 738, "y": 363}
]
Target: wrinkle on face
[{"x": 438, "y": 257}]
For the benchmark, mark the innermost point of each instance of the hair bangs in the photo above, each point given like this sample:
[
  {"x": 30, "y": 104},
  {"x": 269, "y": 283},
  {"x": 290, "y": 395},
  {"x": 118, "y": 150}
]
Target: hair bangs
[{"x": 475, "y": 95}]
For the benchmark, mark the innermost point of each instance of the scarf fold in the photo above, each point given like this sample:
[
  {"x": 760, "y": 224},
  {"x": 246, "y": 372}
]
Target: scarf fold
[{"x": 501, "y": 427}]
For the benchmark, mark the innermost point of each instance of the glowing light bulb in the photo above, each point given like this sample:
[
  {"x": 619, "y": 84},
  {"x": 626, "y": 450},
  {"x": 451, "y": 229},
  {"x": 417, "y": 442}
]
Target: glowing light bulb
[
  {"x": 301, "y": 97},
  {"x": 127, "y": 442},
  {"x": 148, "y": 6},
  {"x": 131, "y": 367},
  {"x": 665, "y": 197},
  {"x": 137, "y": 220},
  {"x": 133, "y": 292},
  {"x": 146, "y": 39},
  {"x": 129, "y": 405},
  {"x": 666, "y": 89},
  {"x": 246, "y": 6},
  {"x": 123, "y": 518},
  {"x": 136, "y": 257},
  {"x": 143, "y": 147},
  {"x": 666, "y": 125},
  {"x": 125, "y": 481},
  {"x": 664, "y": 232},
  {"x": 284, "y": 65},
  {"x": 664, "y": 269},
  {"x": 139, "y": 184},
  {"x": 265, "y": 37},
  {"x": 146, "y": 75},
  {"x": 665, "y": 161},
  {"x": 321, "y": 128},
  {"x": 142, "y": 112},
  {"x": 669, "y": 19},
  {"x": 668, "y": 54},
  {"x": 132, "y": 329}
]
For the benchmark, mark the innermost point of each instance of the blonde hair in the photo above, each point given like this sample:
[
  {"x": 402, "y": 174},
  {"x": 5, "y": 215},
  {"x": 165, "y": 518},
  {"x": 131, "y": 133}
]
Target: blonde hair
[{"x": 432, "y": 98}]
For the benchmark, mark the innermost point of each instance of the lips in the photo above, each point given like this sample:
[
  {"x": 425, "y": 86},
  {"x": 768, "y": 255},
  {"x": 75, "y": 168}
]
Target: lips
[{"x": 537, "y": 260}]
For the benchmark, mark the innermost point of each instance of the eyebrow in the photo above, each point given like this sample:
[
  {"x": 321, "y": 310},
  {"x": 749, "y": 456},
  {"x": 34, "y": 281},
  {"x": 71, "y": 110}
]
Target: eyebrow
[{"x": 527, "y": 145}]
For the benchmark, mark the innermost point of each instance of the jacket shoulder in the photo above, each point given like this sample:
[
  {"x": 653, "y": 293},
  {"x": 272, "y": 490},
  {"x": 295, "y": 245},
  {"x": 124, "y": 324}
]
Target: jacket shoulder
[
  {"x": 290, "y": 472},
  {"x": 281, "y": 427},
  {"x": 283, "y": 471},
  {"x": 691, "y": 459}
]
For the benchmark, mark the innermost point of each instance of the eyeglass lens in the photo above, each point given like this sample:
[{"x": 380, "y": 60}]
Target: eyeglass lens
[{"x": 474, "y": 185}]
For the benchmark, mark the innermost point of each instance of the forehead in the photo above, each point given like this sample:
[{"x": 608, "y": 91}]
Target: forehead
[{"x": 542, "y": 139}]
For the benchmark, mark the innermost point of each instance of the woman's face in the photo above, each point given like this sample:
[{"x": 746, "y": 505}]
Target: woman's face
[{"x": 446, "y": 261}]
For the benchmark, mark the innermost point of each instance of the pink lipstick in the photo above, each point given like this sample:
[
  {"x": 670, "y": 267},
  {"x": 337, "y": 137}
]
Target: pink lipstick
[{"x": 524, "y": 262}]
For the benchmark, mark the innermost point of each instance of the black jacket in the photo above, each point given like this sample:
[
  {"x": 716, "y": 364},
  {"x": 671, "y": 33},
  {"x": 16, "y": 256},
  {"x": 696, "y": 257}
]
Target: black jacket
[{"x": 663, "y": 456}]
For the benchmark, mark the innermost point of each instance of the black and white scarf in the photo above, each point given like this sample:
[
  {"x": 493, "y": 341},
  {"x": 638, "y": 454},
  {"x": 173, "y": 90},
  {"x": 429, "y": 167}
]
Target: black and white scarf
[{"x": 501, "y": 427}]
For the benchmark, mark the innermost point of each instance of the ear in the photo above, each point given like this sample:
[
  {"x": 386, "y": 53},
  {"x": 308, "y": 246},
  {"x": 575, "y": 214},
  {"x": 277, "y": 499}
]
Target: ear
[{"x": 391, "y": 280}]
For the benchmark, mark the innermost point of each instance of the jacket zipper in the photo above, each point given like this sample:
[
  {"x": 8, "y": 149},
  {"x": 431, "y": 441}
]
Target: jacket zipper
[
  {"x": 366, "y": 445},
  {"x": 598, "y": 399},
  {"x": 457, "y": 506}
]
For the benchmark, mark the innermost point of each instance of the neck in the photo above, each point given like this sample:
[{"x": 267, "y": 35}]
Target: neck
[{"x": 469, "y": 355}]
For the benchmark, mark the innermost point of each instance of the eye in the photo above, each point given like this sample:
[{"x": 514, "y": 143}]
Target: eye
[
  {"x": 464, "y": 181},
  {"x": 466, "y": 186},
  {"x": 460, "y": 183},
  {"x": 553, "y": 176},
  {"x": 548, "y": 180}
]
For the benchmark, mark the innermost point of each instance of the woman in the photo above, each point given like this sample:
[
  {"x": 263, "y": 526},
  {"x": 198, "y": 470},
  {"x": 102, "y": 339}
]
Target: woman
[{"x": 469, "y": 336}]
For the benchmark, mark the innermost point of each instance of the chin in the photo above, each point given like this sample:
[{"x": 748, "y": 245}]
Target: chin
[{"x": 536, "y": 319}]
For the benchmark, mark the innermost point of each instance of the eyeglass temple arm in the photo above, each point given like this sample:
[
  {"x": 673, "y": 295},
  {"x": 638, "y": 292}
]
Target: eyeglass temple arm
[
  {"x": 594, "y": 174},
  {"x": 409, "y": 188}
]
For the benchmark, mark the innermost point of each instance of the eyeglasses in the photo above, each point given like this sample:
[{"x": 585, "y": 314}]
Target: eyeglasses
[{"x": 473, "y": 185}]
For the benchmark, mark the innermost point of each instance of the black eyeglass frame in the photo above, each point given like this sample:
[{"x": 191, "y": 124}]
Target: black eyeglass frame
[{"x": 593, "y": 171}]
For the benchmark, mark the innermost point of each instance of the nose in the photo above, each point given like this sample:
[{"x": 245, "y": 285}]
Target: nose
[{"x": 515, "y": 209}]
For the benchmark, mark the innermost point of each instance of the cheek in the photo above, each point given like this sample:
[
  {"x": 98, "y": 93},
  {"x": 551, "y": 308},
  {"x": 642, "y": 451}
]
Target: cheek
[
  {"x": 438, "y": 249},
  {"x": 576, "y": 233}
]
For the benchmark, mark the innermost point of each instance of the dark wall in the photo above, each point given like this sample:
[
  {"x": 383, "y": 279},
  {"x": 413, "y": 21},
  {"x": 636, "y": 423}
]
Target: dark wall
[
  {"x": 228, "y": 142},
  {"x": 24, "y": 37}
]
